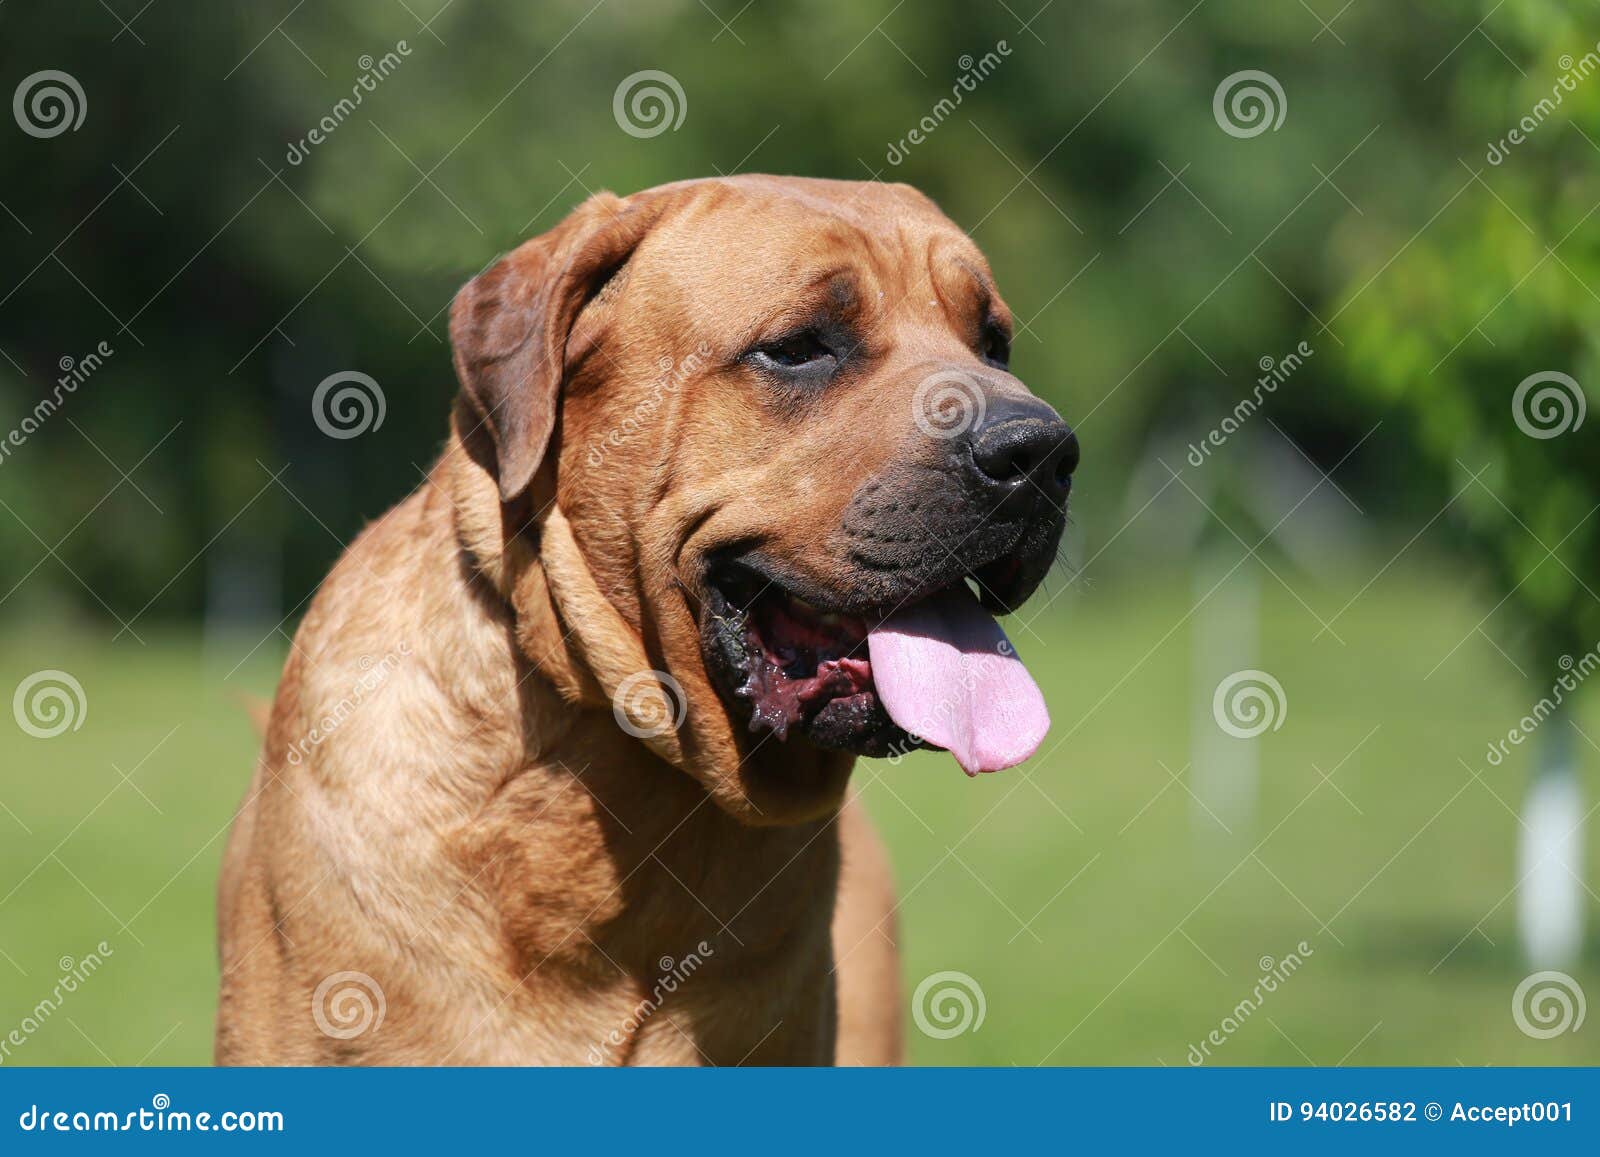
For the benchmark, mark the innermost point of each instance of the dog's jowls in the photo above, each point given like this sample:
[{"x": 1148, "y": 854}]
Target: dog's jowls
[{"x": 556, "y": 767}]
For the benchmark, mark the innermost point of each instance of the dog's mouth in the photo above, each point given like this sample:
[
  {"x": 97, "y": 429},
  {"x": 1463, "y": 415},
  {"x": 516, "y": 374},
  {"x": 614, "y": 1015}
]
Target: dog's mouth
[
  {"x": 936, "y": 671},
  {"x": 794, "y": 666}
]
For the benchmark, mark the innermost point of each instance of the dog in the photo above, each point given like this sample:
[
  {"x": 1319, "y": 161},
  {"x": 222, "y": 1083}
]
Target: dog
[{"x": 557, "y": 769}]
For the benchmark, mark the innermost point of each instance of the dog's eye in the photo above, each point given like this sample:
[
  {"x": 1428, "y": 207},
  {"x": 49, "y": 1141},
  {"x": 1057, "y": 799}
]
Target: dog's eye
[
  {"x": 995, "y": 347},
  {"x": 798, "y": 353}
]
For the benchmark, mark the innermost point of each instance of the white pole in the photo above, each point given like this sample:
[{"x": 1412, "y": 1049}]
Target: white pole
[
  {"x": 1224, "y": 772},
  {"x": 1550, "y": 913}
]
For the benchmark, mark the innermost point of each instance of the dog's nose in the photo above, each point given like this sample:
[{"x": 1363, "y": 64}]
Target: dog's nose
[{"x": 1021, "y": 441}]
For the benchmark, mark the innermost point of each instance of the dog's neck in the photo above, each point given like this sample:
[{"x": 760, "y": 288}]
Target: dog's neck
[
  {"x": 650, "y": 821},
  {"x": 565, "y": 626}
]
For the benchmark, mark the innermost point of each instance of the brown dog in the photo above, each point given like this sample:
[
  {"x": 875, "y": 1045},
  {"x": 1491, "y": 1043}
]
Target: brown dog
[{"x": 556, "y": 767}]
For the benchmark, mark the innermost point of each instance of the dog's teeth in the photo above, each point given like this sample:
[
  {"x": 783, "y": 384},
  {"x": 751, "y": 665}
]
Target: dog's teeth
[{"x": 832, "y": 619}]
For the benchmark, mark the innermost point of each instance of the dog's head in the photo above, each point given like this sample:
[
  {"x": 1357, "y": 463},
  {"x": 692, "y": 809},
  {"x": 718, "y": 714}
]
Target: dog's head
[{"x": 771, "y": 422}]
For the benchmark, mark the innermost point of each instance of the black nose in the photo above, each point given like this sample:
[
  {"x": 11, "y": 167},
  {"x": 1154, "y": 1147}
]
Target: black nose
[{"x": 1022, "y": 440}]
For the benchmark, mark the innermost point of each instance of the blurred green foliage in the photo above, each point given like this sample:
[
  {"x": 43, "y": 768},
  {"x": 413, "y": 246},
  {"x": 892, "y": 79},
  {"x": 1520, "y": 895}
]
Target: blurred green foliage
[
  {"x": 1499, "y": 290},
  {"x": 1155, "y": 259}
]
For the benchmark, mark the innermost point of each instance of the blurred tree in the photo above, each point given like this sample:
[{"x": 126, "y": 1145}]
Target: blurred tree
[{"x": 1481, "y": 334}]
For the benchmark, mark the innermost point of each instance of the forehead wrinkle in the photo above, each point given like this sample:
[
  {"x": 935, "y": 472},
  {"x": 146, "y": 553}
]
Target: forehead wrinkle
[{"x": 958, "y": 293}]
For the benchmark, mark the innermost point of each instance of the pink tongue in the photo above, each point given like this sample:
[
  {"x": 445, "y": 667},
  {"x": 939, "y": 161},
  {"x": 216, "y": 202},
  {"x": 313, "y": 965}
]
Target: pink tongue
[{"x": 946, "y": 672}]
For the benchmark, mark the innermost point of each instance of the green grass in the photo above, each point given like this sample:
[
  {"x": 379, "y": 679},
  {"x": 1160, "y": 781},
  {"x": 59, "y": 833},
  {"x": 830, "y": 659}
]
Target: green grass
[{"x": 1107, "y": 918}]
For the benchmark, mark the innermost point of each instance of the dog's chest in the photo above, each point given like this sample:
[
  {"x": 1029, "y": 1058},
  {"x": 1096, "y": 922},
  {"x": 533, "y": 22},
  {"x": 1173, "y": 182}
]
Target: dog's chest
[{"x": 601, "y": 882}]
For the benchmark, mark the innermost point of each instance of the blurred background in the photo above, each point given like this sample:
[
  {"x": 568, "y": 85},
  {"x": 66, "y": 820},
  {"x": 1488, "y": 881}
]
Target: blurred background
[{"x": 1317, "y": 282}]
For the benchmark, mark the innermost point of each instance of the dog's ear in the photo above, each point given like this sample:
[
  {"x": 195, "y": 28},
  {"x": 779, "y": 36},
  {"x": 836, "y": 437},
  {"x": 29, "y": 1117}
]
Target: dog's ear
[{"x": 509, "y": 326}]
